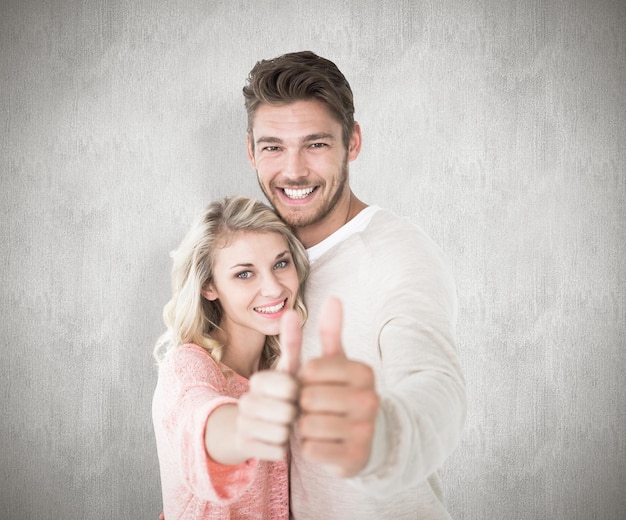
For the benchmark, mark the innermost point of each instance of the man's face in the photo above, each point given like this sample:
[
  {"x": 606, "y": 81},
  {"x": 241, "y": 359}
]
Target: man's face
[{"x": 302, "y": 165}]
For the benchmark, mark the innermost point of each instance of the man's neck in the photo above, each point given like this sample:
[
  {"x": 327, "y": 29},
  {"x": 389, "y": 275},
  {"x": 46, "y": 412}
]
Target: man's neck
[{"x": 315, "y": 233}]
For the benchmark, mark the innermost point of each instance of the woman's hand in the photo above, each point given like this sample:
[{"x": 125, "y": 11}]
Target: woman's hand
[{"x": 259, "y": 425}]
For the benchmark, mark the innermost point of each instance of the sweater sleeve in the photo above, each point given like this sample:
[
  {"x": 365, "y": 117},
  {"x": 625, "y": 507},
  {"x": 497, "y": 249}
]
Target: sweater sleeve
[
  {"x": 192, "y": 387},
  {"x": 423, "y": 400}
]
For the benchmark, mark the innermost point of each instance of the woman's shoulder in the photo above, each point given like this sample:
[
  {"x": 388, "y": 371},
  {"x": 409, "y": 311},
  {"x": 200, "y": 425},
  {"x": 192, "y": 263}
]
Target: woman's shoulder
[
  {"x": 191, "y": 360},
  {"x": 188, "y": 351}
]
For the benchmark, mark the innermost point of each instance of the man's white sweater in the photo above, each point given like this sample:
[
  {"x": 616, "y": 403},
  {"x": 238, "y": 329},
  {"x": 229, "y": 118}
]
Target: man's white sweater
[{"x": 400, "y": 307}]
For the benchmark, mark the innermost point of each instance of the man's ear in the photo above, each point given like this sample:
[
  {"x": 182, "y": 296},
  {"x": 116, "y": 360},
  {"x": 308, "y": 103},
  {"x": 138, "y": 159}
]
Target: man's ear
[
  {"x": 250, "y": 145},
  {"x": 354, "y": 145},
  {"x": 209, "y": 292}
]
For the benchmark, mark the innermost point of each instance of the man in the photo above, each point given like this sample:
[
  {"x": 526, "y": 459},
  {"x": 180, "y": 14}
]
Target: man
[{"x": 382, "y": 394}]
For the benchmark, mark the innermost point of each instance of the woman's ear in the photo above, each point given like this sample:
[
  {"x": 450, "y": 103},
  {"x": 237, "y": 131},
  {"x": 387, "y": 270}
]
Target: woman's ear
[{"x": 209, "y": 292}]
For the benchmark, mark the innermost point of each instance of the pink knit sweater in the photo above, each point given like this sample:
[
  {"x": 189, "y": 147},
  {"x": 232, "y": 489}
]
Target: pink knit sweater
[{"x": 190, "y": 386}]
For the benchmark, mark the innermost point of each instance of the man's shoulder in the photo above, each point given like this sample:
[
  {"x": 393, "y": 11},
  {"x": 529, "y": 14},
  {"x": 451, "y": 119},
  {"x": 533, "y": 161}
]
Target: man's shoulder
[
  {"x": 391, "y": 239},
  {"x": 385, "y": 237},
  {"x": 393, "y": 228}
]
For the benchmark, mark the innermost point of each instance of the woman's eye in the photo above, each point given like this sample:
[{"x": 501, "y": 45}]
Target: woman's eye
[
  {"x": 281, "y": 265},
  {"x": 244, "y": 275}
]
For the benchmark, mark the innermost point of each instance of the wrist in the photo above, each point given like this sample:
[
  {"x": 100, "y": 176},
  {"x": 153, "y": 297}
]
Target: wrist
[{"x": 221, "y": 439}]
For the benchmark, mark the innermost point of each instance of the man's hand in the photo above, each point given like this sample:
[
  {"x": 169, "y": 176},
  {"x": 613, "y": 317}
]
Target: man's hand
[
  {"x": 267, "y": 411},
  {"x": 338, "y": 403}
]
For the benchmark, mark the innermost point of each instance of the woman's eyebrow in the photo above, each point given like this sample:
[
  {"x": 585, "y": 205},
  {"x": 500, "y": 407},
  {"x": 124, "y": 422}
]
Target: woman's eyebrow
[{"x": 282, "y": 254}]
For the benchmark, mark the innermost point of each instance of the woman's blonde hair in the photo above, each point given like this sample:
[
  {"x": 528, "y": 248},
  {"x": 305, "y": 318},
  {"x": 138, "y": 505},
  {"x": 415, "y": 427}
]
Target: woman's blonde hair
[{"x": 191, "y": 318}]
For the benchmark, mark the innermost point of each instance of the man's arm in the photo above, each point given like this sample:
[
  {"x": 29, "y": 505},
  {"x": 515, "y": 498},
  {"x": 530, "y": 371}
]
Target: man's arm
[{"x": 401, "y": 436}]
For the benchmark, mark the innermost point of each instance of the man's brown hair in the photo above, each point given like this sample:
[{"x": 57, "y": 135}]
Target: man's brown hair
[{"x": 300, "y": 76}]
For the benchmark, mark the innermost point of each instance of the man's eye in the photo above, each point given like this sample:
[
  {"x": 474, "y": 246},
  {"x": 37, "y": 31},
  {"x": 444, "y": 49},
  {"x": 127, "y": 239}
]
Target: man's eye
[
  {"x": 270, "y": 148},
  {"x": 281, "y": 265},
  {"x": 244, "y": 275},
  {"x": 319, "y": 145}
]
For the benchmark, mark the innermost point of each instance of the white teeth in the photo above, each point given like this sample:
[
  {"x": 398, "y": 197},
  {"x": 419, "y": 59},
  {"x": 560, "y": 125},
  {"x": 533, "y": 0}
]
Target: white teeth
[
  {"x": 272, "y": 309},
  {"x": 298, "y": 194}
]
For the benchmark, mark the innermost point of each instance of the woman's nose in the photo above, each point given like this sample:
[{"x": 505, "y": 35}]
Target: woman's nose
[{"x": 270, "y": 286}]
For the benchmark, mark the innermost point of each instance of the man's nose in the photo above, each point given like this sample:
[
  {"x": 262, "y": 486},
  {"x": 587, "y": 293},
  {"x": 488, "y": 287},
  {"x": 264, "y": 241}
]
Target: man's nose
[{"x": 296, "y": 165}]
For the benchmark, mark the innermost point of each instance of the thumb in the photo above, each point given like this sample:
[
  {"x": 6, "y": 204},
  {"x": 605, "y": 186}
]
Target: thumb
[
  {"x": 331, "y": 323},
  {"x": 290, "y": 343}
]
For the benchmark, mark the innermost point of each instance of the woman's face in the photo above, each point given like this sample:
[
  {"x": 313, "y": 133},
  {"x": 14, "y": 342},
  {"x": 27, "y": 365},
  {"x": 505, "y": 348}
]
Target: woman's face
[{"x": 255, "y": 281}]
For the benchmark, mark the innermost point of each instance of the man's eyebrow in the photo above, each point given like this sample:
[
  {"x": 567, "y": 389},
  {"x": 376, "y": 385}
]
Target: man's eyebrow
[
  {"x": 306, "y": 139},
  {"x": 271, "y": 140},
  {"x": 317, "y": 137}
]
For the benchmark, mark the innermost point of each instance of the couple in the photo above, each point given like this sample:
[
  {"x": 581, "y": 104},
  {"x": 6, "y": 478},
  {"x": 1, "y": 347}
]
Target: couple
[{"x": 350, "y": 416}]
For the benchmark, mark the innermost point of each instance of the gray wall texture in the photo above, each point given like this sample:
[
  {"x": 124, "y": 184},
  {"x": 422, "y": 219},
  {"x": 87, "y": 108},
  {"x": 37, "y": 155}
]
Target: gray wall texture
[{"x": 498, "y": 126}]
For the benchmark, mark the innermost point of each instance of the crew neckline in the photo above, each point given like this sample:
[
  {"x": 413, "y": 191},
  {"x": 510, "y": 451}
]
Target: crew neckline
[{"x": 358, "y": 223}]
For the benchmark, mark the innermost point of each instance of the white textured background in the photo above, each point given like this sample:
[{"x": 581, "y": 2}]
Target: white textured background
[{"x": 499, "y": 126}]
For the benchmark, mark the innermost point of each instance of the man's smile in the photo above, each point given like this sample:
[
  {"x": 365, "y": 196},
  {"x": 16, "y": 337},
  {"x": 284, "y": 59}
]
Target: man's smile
[{"x": 297, "y": 194}]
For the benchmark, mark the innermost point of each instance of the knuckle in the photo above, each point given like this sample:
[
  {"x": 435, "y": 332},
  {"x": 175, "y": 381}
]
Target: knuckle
[
  {"x": 288, "y": 388},
  {"x": 243, "y": 424},
  {"x": 291, "y": 412},
  {"x": 309, "y": 425},
  {"x": 277, "y": 384},
  {"x": 306, "y": 398},
  {"x": 245, "y": 403},
  {"x": 363, "y": 373},
  {"x": 256, "y": 380},
  {"x": 370, "y": 402},
  {"x": 366, "y": 432},
  {"x": 365, "y": 403},
  {"x": 302, "y": 425},
  {"x": 282, "y": 435},
  {"x": 309, "y": 370}
]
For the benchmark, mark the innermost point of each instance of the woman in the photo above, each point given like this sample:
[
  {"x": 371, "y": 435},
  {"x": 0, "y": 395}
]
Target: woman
[{"x": 221, "y": 415}]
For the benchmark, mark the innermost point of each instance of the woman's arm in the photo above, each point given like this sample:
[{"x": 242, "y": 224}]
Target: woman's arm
[{"x": 258, "y": 426}]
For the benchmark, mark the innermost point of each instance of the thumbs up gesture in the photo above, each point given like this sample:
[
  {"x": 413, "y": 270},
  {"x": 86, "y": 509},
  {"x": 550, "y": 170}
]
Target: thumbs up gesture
[
  {"x": 267, "y": 411},
  {"x": 338, "y": 402}
]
